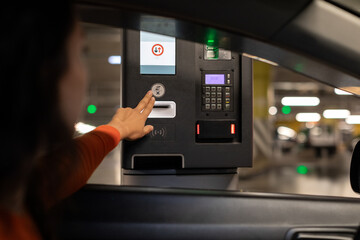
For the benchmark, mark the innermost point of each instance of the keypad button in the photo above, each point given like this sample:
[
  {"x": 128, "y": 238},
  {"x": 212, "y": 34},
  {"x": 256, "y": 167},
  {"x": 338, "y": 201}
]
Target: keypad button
[
  {"x": 228, "y": 75},
  {"x": 213, "y": 94},
  {"x": 227, "y": 106},
  {"x": 213, "y": 100},
  {"x": 219, "y": 89},
  {"x": 213, "y": 106},
  {"x": 219, "y": 100},
  {"x": 219, "y": 94},
  {"x": 218, "y": 106},
  {"x": 207, "y": 106},
  {"x": 207, "y": 89},
  {"x": 227, "y": 100},
  {"x": 207, "y": 100},
  {"x": 228, "y": 81},
  {"x": 227, "y": 94},
  {"x": 227, "y": 89},
  {"x": 213, "y": 89},
  {"x": 207, "y": 94}
]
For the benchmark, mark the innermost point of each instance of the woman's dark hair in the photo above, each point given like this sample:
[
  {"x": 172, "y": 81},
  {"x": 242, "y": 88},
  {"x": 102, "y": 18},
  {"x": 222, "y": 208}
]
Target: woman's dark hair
[{"x": 33, "y": 60}]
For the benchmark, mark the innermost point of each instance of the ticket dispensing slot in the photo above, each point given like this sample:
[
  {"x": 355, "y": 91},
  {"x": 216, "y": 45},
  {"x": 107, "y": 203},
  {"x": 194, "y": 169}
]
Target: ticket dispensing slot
[{"x": 157, "y": 161}]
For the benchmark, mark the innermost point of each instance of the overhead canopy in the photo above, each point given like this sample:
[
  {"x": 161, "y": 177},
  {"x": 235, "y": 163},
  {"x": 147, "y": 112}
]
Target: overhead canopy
[{"x": 320, "y": 39}]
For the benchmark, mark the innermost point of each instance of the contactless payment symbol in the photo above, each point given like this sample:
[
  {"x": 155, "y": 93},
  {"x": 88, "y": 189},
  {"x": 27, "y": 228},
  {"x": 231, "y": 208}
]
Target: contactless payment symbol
[
  {"x": 157, "y": 49},
  {"x": 158, "y": 132}
]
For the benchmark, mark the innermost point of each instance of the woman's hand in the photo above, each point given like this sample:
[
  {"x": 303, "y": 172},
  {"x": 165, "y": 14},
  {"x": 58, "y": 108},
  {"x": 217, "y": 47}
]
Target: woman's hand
[{"x": 131, "y": 122}]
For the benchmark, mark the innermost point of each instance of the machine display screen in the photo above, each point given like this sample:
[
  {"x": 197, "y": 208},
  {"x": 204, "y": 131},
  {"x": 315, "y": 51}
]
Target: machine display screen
[
  {"x": 157, "y": 54},
  {"x": 214, "y": 78}
]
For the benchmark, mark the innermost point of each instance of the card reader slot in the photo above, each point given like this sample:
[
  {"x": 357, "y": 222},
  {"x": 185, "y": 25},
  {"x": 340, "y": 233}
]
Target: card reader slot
[{"x": 163, "y": 109}]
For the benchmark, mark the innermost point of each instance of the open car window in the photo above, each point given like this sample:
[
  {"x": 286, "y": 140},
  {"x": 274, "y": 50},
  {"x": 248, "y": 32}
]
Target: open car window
[{"x": 297, "y": 149}]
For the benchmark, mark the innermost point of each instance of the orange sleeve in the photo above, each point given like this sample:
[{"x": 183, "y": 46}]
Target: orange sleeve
[{"x": 91, "y": 148}]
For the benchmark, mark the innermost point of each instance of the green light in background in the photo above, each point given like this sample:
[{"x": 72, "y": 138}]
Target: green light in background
[
  {"x": 299, "y": 67},
  {"x": 91, "y": 109},
  {"x": 286, "y": 109},
  {"x": 302, "y": 169},
  {"x": 210, "y": 41}
]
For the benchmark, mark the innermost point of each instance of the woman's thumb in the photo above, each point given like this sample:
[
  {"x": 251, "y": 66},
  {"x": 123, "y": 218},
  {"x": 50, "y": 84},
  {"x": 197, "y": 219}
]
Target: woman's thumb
[{"x": 148, "y": 129}]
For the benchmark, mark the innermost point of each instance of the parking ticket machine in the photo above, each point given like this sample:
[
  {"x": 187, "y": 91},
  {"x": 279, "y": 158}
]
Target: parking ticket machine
[{"x": 202, "y": 116}]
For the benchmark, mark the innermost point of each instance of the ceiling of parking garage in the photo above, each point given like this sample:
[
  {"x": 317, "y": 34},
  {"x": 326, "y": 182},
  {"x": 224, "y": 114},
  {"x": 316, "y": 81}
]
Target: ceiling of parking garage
[{"x": 287, "y": 83}]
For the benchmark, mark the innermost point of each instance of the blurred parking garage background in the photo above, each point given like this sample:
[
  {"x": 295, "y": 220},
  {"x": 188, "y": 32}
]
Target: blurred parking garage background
[
  {"x": 304, "y": 131},
  {"x": 304, "y": 134}
]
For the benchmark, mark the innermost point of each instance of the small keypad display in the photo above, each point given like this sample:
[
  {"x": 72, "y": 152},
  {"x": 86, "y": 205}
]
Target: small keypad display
[{"x": 218, "y": 97}]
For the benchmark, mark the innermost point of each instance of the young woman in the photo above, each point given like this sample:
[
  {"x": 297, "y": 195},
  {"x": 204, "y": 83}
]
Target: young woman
[{"x": 43, "y": 83}]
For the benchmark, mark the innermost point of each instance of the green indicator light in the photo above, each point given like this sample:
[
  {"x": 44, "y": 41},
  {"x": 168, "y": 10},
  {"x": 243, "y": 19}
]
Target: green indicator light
[
  {"x": 210, "y": 36},
  {"x": 286, "y": 109},
  {"x": 302, "y": 169},
  {"x": 91, "y": 109}
]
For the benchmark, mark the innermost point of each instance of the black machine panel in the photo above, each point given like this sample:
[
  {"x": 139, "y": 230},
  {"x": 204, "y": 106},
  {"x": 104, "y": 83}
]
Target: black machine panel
[{"x": 203, "y": 100}]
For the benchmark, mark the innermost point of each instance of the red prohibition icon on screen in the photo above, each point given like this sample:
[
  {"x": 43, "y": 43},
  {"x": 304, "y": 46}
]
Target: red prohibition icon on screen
[{"x": 157, "y": 49}]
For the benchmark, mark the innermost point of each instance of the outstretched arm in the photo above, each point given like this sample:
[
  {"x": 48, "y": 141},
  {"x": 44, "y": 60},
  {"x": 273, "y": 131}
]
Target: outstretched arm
[{"x": 92, "y": 147}]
